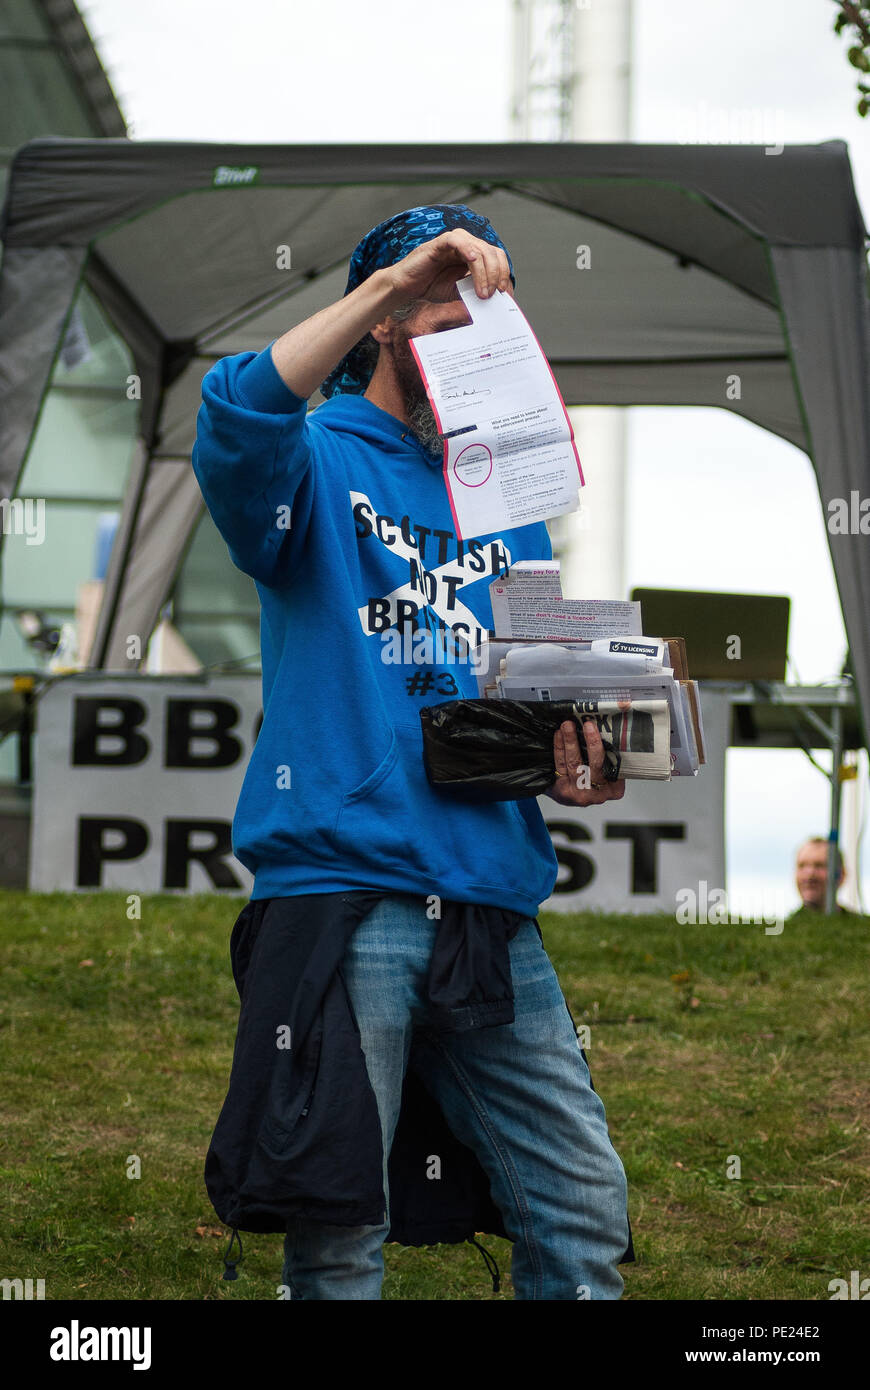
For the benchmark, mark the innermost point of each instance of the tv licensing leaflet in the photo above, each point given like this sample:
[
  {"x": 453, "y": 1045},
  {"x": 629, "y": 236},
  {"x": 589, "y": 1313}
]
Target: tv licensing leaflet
[{"x": 509, "y": 452}]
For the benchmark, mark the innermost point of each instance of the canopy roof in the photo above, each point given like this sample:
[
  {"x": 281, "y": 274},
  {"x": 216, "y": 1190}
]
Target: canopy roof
[{"x": 706, "y": 263}]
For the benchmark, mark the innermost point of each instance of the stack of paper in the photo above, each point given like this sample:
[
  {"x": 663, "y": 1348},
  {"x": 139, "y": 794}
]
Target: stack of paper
[{"x": 636, "y": 686}]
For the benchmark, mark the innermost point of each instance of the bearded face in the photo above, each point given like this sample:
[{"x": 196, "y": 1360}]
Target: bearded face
[
  {"x": 418, "y": 411},
  {"x": 441, "y": 311}
]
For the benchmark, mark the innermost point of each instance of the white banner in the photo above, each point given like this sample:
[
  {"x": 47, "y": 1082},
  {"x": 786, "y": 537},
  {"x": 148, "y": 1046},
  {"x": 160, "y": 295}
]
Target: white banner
[
  {"x": 635, "y": 854},
  {"x": 137, "y": 780}
]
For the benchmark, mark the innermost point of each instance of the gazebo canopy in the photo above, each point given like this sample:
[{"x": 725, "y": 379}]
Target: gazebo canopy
[{"x": 714, "y": 276}]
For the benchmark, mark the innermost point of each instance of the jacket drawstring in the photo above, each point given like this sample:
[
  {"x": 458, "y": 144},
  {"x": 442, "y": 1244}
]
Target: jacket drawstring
[
  {"x": 230, "y": 1271},
  {"x": 489, "y": 1261}
]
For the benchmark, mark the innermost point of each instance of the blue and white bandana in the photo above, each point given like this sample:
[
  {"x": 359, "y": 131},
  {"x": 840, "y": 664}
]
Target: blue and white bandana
[{"x": 388, "y": 243}]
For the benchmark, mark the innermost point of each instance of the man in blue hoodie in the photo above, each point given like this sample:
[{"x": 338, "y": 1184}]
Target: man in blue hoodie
[{"x": 342, "y": 519}]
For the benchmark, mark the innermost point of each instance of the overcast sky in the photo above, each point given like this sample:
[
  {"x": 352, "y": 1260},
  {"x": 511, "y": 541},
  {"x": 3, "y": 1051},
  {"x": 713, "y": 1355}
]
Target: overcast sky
[{"x": 381, "y": 71}]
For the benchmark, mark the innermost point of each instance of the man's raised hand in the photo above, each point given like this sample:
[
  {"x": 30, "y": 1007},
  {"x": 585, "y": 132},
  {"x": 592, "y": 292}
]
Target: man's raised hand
[{"x": 431, "y": 270}]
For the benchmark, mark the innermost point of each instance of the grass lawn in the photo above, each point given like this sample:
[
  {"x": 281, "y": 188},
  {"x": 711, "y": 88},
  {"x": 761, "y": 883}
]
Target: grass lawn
[{"x": 707, "y": 1042}]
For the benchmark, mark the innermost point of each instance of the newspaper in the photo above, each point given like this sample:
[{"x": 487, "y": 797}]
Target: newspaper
[{"x": 638, "y": 731}]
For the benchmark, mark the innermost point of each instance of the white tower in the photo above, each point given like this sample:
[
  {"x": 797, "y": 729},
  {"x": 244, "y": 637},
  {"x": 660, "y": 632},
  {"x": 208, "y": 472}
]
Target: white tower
[{"x": 572, "y": 70}]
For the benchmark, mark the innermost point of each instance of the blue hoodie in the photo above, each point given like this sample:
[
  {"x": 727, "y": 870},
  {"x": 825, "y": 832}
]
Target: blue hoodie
[{"x": 343, "y": 521}]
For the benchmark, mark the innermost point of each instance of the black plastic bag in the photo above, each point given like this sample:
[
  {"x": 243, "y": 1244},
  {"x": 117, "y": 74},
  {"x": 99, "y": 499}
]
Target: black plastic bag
[{"x": 501, "y": 750}]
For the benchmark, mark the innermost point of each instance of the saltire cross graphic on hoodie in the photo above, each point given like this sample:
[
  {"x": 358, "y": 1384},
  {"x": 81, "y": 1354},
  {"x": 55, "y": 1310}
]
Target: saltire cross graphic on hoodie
[
  {"x": 438, "y": 564},
  {"x": 370, "y": 550}
]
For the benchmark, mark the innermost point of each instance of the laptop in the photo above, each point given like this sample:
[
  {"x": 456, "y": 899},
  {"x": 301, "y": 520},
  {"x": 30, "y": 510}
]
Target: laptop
[{"x": 752, "y": 627}]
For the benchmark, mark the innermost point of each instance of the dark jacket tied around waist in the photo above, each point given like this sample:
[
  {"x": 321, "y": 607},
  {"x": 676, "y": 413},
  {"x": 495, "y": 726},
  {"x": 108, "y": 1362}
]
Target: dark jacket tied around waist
[{"x": 299, "y": 1132}]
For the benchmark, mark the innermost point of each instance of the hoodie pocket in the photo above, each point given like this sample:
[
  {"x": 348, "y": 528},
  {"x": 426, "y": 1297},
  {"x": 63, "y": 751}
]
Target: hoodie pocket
[
  {"x": 380, "y": 825},
  {"x": 374, "y": 779}
]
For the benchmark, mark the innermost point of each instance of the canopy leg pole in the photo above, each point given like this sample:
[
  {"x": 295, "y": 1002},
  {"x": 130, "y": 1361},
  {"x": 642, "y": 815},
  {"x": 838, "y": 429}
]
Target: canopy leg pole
[{"x": 836, "y": 791}]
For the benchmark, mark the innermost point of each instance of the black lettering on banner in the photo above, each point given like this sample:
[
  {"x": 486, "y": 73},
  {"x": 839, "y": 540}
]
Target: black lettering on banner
[
  {"x": 644, "y": 841},
  {"x": 581, "y": 869},
  {"x": 179, "y": 853},
  {"x": 93, "y": 853},
  {"x": 91, "y": 731},
  {"x": 181, "y": 732}
]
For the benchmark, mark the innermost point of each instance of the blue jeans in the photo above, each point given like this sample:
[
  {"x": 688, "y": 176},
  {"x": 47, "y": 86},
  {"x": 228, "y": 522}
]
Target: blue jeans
[{"x": 517, "y": 1094}]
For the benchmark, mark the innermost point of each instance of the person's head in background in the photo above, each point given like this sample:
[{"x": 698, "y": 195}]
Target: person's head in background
[{"x": 811, "y": 872}]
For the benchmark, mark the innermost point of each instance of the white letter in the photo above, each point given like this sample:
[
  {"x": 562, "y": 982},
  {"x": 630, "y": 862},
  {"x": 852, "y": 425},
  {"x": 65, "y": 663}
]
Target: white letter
[
  {"x": 839, "y": 511},
  {"x": 719, "y": 916},
  {"x": 686, "y": 908},
  {"x": 38, "y": 536},
  {"x": 142, "y": 1357},
  {"x": 59, "y": 1349},
  {"x": 422, "y": 649}
]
